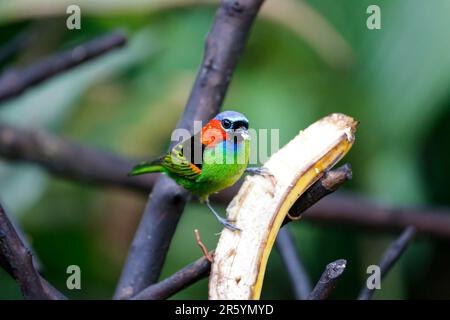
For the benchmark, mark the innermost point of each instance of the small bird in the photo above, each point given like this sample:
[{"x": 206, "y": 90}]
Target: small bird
[{"x": 209, "y": 161}]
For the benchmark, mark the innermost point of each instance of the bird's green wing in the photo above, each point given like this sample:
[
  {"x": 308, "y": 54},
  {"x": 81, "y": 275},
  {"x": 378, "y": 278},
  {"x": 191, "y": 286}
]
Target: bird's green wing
[{"x": 180, "y": 161}]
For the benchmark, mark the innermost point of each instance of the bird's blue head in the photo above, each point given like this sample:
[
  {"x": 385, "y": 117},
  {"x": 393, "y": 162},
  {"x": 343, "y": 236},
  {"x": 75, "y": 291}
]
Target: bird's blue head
[
  {"x": 225, "y": 126},
  {"x": 232, "y": 120}
]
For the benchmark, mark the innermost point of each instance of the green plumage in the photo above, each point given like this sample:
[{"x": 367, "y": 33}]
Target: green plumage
[
  {"x": 223, "y": 148},
  {"x": 222, "y": 165}
]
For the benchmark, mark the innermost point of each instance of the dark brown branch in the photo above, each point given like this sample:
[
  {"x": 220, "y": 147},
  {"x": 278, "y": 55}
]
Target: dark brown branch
[
  {"x": 36, "y": 261},
  {"x": 351, "y": 210},
  {"x": 14, "y": 82},
  {"x": 64, "y": 158},
  {"x": 327, "y": 281},
  {"x": 329, "y": 183},
  {"x": 296, "y": 271},
  {"x": 178, "y": 281},
  {"x": 16, "y": 259},
  {"x": 95, "y": 166},
  {"x": 389, "y": 258},
  {"x": 224, "y": 45}
]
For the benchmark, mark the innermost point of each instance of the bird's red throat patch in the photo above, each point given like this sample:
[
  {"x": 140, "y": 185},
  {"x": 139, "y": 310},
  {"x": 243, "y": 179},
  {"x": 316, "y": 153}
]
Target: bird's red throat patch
[{"x": 213, "y": 133}]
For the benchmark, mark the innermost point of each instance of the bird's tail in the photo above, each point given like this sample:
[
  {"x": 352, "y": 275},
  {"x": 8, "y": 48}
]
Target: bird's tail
[{"x": 146, "y": 167}]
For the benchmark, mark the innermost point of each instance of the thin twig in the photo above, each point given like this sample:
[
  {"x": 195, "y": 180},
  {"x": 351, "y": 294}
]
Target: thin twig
[
  {"x": 327, "y": 281},
  {"x": 178, "y": 281},
  {"x": 202, "y": 246},
  {"x": 224, "y": 45},
  {"x": 14, "y": 82},
  {"x": 296, "y": 271},
  {"x": 389, "y": 258},
  {"x": 354, "y": 211},
  {"x": 16, "y": 259}
]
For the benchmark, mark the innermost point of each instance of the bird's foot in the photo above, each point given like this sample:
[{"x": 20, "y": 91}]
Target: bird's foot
[
  {"x": 262, "y": 171},
  {"x": 226, "y": 223}
]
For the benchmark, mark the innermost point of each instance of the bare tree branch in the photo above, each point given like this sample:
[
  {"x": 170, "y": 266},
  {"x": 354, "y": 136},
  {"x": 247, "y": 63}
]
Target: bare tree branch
[
  {"x": 14, "y": 82},
  {"x": 94, "y": 166},
  {"x": 64, "y": 158},
  {"x": 178, "y": 281},
  {"x": 224, "y": 46},
  {"x": 15, "y": 224},
  {"x": 296, "y": 271},
  {"x": 351, "y": 210},
  {"x": 16, "y": 259},
  {"x": 389, "y": 258},
  {"x": 329, "y": 183},
  {"x": 327, "y": 281}
]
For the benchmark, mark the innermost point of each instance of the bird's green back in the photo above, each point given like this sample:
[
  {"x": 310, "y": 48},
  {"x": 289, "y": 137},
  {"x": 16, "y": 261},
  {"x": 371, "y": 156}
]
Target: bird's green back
[{"x": 223, "y": 164}]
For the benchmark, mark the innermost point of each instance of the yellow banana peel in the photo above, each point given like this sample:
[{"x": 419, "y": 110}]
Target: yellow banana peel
[{"x": 263, "y": 202}]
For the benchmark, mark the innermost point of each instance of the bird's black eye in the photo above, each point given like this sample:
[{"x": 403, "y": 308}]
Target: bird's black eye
[{"x": 226, "y": 124}]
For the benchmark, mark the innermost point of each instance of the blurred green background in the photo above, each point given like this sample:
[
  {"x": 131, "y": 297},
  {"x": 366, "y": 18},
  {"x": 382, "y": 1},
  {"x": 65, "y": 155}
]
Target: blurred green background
[{"x": 304, "y": 60}]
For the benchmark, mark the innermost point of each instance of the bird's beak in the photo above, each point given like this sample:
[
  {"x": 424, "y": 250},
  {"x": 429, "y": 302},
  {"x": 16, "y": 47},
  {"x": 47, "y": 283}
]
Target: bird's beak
[{"x": 243, "y": 133}]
